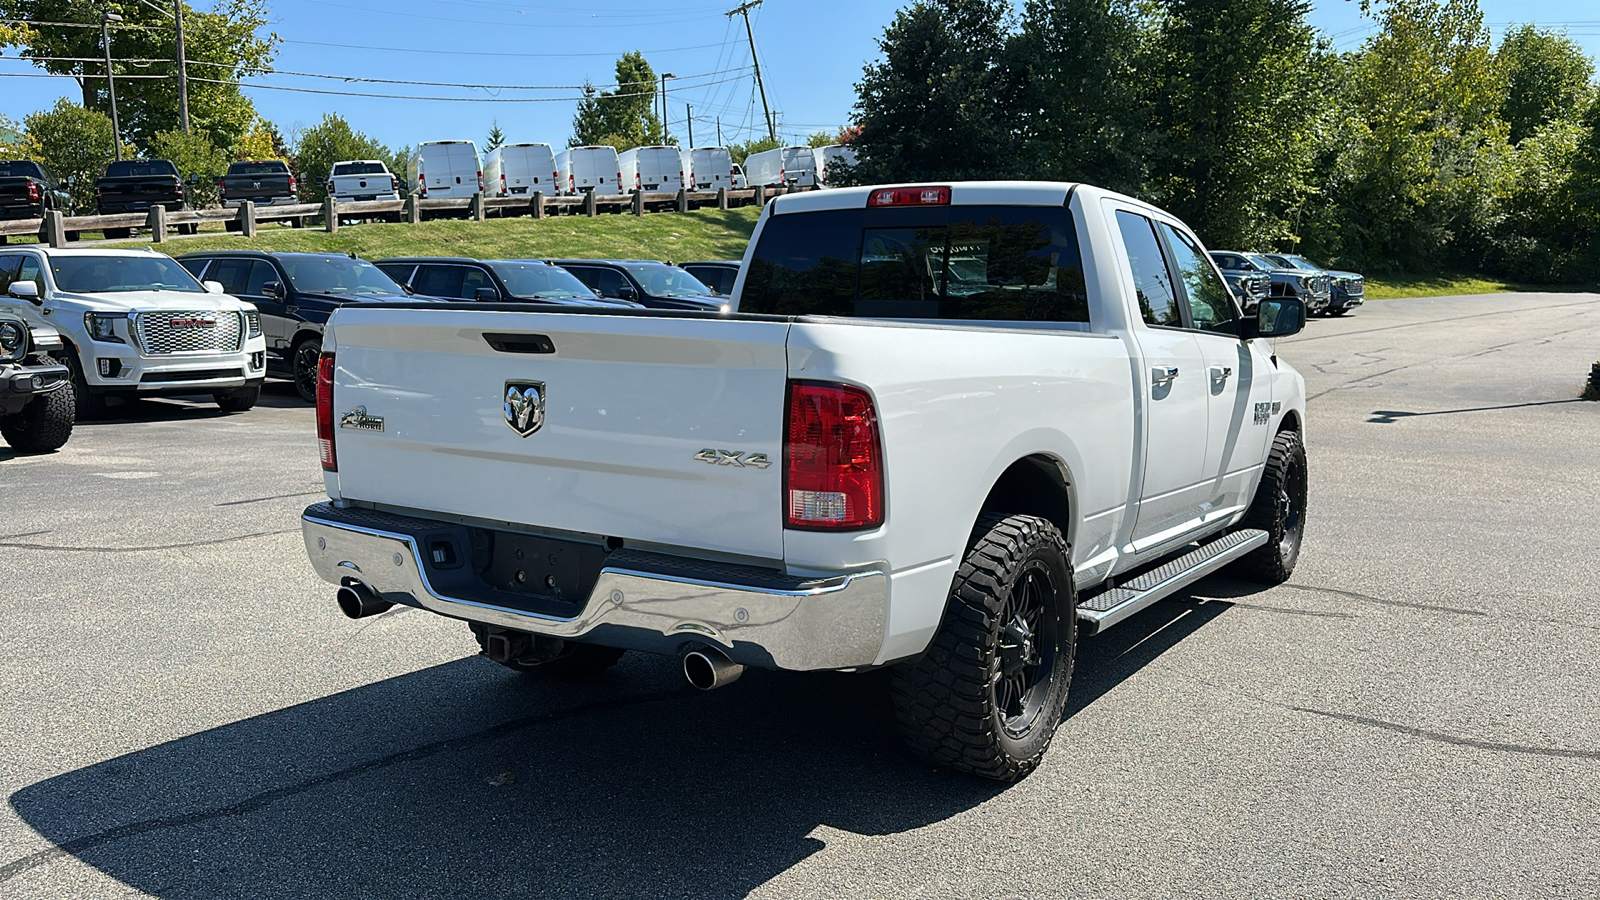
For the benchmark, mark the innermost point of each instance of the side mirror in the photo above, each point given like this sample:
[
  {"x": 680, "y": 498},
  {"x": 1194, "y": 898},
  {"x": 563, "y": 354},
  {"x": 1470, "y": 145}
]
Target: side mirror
[
  {"x": 214, "y": 287},
  {"x": 487, "y": 294},
  {"x": 627, "y": 293},
  {"x": 1276, "y": 317},
  {"x": 272, "y": 289},
  {"x": 194, "y": 179},
  {"x": 25, "y": 290}
]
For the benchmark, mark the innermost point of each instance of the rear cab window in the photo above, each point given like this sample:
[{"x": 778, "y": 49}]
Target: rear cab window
[{"x": 964, "y": 262}]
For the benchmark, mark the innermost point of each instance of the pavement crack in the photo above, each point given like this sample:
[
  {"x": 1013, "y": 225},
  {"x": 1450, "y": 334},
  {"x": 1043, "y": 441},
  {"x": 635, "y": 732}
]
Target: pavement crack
[
  {"x": 1316, "y": 614},
  {"x": 1453, "y": 610},
  {"x": 264, "y": 499},
  {"x": 65, "y": 549},
  {"x": 1454, "y": 739},
  {"x": 87, "y": 843}
]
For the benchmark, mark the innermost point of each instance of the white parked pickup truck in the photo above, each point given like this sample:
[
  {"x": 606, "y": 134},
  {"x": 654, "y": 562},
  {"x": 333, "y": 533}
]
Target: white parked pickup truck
[{"x": 945, "y": 429}]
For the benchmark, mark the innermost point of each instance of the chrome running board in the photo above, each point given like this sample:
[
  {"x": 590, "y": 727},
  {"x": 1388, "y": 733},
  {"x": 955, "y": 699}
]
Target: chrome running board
[{"x": 1100, "y": 611}]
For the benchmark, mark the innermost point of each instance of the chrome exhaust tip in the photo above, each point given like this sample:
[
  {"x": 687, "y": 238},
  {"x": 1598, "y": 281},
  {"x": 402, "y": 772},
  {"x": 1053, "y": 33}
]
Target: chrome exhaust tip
[
  {"x": 357, "y": 601},
  {"x": 709, "y": 669}
]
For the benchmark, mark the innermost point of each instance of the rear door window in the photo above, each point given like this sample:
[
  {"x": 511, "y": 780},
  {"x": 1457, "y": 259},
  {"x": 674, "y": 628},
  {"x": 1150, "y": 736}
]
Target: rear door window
[
  {"x": 995, "y": 263},
  {"x": 439, "y": 281},
  {"x": 232, "y": 274},
  {"x": 1152, "y": 280}
]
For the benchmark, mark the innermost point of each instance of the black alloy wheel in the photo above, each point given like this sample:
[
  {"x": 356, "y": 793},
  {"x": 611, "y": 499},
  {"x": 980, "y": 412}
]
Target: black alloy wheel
[{"x": 304, "y": 361}]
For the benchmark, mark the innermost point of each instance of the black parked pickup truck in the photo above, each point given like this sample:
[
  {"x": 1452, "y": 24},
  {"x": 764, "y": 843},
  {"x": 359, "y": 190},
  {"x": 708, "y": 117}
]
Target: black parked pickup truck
[
  {"x": 135, "y": 185},
  {"x": 27, "y": 189},
  {"x": 264, "y": 183}
]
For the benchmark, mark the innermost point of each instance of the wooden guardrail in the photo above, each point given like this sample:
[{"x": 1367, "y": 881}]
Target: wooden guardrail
[{"x": 57, "y": 229}]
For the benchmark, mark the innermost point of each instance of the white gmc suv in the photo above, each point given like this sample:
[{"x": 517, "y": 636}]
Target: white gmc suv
[
  {"x": 947, "y": 429},
  {"x": 137, "y": 324}
]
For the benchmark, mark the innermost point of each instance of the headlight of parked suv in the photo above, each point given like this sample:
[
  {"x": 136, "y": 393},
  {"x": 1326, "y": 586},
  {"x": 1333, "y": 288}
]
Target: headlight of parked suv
[
  {"x": 102, "y": 326},
  {"x": 252, "y": 324},
  {"x": 13, "y": 342}
]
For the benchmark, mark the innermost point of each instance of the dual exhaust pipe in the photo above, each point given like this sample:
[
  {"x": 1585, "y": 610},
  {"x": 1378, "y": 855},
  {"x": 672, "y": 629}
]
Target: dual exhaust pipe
[
  {"x": 358, "y": 601},
  {"x": 705, "y": 668}
]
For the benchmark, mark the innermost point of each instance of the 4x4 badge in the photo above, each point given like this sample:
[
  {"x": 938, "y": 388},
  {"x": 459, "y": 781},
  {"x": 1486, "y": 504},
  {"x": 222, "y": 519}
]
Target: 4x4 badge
[{"x": 524, "y": 406}]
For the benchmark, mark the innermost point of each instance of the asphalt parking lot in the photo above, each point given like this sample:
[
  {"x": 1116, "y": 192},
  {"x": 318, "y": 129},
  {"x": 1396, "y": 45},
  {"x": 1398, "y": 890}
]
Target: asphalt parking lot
[{"x": 184, "y": 713}]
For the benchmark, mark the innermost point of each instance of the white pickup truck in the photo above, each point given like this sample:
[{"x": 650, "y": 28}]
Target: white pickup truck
[{"x": 946, "y": 429}]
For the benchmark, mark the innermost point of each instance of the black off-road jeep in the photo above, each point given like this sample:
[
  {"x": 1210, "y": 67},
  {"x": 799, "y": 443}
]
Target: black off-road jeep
[{"x": 36, "y": 403}]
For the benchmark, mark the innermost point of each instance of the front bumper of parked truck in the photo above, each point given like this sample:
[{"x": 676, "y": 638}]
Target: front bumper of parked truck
[{"x": 579, "y": 591}]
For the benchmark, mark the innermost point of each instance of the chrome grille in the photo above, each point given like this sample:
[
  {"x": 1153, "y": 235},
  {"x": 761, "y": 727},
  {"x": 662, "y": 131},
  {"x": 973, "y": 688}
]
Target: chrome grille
[{"x": 181, "y": 331}]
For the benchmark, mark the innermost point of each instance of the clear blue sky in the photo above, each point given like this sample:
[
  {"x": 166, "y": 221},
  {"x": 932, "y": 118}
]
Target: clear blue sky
[{"x": 811, "y": 55}]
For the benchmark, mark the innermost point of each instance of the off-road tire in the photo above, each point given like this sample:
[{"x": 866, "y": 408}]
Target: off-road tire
[
  {"x": 949, "y": 703},
  {"x": 87, "y": 405},
  {"x": 239, "y": 399},
  {"x": 43, "y": 425},
  {"x": 1279, "y": 509},
  {"x": 116, "y": 234},
  {"x": 576, "y": 660},
  {"x": 191, "y": 228}
]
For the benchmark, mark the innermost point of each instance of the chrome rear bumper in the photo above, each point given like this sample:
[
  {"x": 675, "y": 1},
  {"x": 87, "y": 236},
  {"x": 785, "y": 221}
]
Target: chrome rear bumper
[{"x": 641, "y": 601}]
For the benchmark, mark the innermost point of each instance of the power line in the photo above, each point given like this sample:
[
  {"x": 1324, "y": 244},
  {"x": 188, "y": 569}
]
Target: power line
[
  {"x": 301, "y": 90},
  {"x": 498, "y": 23},
  {"x": 484, "y": 53}
]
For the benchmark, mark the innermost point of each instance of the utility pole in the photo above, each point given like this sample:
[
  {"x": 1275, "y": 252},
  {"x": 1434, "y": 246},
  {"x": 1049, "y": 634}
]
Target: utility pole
[
  {"x": 719, "y": 132},
  {"x": 688, "y": 116},
  {"x": 183, "y": 69},
  {"x": 106, "y": 18},
  {"x": 744, "y": 10},
  {"x": 665, "y": 132}
]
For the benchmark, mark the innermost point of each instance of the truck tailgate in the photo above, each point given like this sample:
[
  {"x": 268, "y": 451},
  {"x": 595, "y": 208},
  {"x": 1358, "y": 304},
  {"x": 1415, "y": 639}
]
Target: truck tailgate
[{"x": 629, "y": 403}]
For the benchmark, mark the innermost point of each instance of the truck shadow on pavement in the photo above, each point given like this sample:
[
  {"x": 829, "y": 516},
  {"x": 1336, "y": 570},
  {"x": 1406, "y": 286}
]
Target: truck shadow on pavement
[{"x": 467, "y": 780}]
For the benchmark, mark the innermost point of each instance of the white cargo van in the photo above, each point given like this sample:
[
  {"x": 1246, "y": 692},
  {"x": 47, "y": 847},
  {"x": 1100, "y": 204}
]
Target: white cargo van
[
  {"x": 655, "y": 169},
  {"x": 711, "y": 168},
  {"x": 590, "y": 170},
  {"x": 517, "y": 170},
  {"x": 445, "y": 170},
  {"x": 764, "y": 168},
  {"x": 830, "y": 154},
  {"x": 799, "y": 166}
]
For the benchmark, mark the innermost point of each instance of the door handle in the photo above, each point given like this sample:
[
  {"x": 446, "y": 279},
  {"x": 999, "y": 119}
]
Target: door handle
[
  {"x": 1163, "y": 374},
  {"x": 1221, "y": 373}
]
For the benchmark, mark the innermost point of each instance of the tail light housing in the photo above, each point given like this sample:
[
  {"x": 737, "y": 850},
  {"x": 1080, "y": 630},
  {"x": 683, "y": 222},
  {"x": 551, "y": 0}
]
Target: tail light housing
[
  {"x": 294, "y": 185},
  {"x": 330, "y": 458},
  {"x": 832, "y": 459},
  {"x": 910, "y": 196},
  {"x": 480, "y": 182},
  {"x": 33, "y": 191}
]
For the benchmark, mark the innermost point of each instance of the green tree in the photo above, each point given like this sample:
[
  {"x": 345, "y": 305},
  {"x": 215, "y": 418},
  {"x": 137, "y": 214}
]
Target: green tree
[
  {"x": 221, "y": 46},
  {"x": 496, "y": 138},
  {"x": 1548, "y": 77},
  {"x": 821, "y": 139},
  {"x": 193, "y": 154},
  {"x": 325, "y": 143},
  {"x": 623, "y": 117},
  {"x": 1233, "y": 97},
  {"x": 75, "y": 144},
  {"x": 1416, "y": 189},
  {"x": 262, "y": 141},
  {"x": 935, "y": 107},
  {"x": 1076, "y": 66},
  {"x": 755, "y": 145}
]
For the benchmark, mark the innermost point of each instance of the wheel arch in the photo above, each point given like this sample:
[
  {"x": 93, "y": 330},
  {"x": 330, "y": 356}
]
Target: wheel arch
[
  {"x": 1290, "y": 422},
  {"x": 1038, "y": 484}
]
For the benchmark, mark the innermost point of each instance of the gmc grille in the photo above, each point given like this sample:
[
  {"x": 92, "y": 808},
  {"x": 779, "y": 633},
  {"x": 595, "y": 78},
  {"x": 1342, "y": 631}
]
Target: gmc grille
[{"x": 185, "y": 331}]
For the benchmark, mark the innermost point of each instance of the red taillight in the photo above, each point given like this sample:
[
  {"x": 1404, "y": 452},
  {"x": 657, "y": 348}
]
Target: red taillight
[
  {"x": 294, "y": 186},
  {"x": 33, "y": 191},
  {"x": 480, "y": 182},
  {"x": 912, "y": 196},
  {"x": 832, "y": 459},
  {"x": 330, "y": 460}
]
